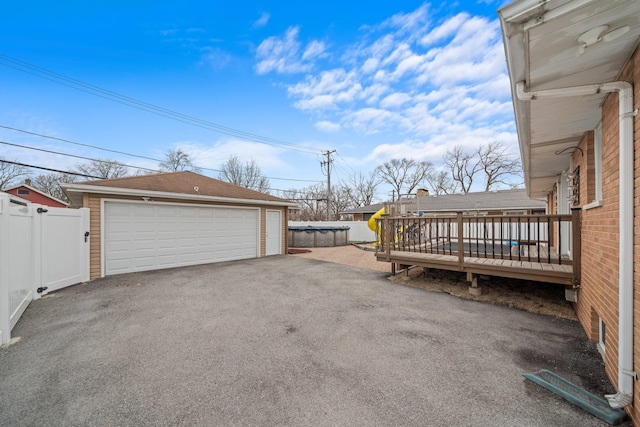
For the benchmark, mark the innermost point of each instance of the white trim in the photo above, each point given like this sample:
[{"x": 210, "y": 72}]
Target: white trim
[
  {"x": 601, "y": 346},
  {"x": 97, "y": 189},
  {"x": 102, "y": 221},
  {"x": 597, "y": 159},
  {"x": 593, "y": 205}
]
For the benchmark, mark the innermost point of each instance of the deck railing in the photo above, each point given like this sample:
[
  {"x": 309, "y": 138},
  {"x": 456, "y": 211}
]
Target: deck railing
[{"x": 551, "y": 239}]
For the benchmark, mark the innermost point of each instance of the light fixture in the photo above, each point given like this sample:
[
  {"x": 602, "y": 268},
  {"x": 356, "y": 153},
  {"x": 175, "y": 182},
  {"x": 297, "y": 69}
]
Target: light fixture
[{"x": 598, "y": 34}]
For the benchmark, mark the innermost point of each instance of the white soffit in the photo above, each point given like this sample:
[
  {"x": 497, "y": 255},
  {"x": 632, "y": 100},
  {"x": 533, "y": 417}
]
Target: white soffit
[{"x": 542, "y": 48}]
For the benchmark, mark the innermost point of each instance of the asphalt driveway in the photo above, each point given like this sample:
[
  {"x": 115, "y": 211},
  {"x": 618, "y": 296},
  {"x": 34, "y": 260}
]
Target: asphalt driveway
[{"x": 285, "y": 341}]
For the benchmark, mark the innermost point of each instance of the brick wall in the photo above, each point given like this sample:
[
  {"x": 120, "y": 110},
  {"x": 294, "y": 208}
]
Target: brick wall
[{"x": 598, "y": 295}]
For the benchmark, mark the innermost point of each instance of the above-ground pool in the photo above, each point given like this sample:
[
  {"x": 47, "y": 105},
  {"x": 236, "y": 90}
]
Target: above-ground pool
[{"x": 317, "y": 236}]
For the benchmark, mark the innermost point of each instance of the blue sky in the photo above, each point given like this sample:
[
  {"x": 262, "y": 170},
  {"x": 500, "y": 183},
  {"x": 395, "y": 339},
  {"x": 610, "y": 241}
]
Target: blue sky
[{"x": 373, "y": 80}]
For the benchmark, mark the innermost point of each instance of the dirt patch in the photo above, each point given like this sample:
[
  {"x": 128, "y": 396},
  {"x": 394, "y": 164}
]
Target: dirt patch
[{"x": 535, "y": 297}]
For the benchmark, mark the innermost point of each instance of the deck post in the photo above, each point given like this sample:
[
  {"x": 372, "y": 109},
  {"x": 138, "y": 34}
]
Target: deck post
[
  {"x": 460, "y": 242},
  {"x": 576, "y": 244},
  {"x": 387, "y": 237},
  {"x": 473, "y": 289}
]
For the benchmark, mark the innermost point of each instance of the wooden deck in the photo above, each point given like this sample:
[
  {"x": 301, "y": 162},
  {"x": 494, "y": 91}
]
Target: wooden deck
[
  {"x": 542, "y": 272},
  {"x": 477, "y": 245}
]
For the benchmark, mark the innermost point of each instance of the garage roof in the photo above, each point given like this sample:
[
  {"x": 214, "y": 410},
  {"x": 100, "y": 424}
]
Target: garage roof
[{"x": 183, "y": 185}]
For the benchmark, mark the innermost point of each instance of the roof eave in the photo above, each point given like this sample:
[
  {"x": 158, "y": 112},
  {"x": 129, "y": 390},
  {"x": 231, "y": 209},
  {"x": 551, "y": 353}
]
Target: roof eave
[
  {"x": 512, "y": 34},
  {"x": 78, "y": 189}
]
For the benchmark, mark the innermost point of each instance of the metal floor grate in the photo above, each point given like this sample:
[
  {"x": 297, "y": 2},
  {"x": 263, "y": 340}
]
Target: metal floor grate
[{"x": 577, "y": 395}]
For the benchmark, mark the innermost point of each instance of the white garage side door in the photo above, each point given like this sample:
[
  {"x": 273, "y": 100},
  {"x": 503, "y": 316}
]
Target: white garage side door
[
  {"x": 273, "y": 232},
  {"x": 149, "y": 236}
]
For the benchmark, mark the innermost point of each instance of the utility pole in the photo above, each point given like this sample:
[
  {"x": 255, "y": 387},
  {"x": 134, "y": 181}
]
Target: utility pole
[{"x": 327, "y": 163}]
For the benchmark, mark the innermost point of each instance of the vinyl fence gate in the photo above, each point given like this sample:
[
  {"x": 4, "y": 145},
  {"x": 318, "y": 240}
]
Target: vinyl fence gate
[{"x": 42, "y": 249}]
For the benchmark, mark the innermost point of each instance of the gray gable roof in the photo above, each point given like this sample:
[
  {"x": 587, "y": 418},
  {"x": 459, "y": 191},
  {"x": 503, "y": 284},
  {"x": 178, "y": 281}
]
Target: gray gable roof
[{"x": 481, "y": 201}]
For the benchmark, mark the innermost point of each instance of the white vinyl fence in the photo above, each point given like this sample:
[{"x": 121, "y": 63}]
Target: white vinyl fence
[
  {"x": 42, "y": 249},
  {"x": 358, "y": 230}
]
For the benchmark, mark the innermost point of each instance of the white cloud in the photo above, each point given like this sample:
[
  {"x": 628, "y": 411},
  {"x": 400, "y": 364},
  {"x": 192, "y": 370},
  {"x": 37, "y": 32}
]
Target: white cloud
[
  {"x": 215, "y": 58},
  {"x": 433, "y": 83},
  {"x": 395, "y": 100},
  {"x": 262, "y": 21},
  {"x": 373, "y": 120},
  {"x": 408, "y": 23},
  {"x": 326, "y": 91},
  {"x": 313, "y": 50},
  {"x": 215, "y": 155},
  {"x": 445, "y": 30},
  {"x": 283, "y": 54},
  {"x": 327, "y": 126}
]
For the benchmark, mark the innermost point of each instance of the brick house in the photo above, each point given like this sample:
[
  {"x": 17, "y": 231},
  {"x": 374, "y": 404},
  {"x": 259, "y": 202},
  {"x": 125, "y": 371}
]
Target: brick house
[{"x": 574, "y": 68}]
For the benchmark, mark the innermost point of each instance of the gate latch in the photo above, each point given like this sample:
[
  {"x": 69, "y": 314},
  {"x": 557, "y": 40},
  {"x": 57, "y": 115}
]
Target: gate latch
[
  {"x": 86, "y": 235},
  {"x": 41, "y": 290}
]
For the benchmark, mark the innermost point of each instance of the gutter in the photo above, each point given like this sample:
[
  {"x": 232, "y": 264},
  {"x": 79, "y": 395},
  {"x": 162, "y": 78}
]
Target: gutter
[{"x": 626, "y": 374}]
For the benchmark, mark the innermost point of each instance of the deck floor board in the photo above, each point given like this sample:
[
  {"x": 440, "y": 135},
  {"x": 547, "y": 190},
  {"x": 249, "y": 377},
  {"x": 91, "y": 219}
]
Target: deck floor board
[{"x": 518, "y": 269}]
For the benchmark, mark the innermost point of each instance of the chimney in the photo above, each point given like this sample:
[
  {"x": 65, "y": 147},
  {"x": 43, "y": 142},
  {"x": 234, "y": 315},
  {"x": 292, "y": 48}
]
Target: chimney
[
  {"x": 27, "y": 181},
  {"x": 422, "y": 192}
]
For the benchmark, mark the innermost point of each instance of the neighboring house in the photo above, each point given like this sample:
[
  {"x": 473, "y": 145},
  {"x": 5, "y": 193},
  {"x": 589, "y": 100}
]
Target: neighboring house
[
  {"x": 573, "y": 67},
  {"x": 175, "y": 219},
  {"x": 26, "y": 191},
  {"x": 501, "y": 202}
]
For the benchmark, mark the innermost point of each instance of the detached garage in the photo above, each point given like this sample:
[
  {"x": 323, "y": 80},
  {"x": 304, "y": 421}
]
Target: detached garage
[{"x": 177, "y": 219}]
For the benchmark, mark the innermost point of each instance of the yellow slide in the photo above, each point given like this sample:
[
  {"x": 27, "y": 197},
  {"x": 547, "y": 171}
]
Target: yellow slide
[{"x": 372, "y": 223}]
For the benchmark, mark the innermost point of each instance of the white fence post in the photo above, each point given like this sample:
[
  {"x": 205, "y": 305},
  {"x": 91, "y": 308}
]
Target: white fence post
[
  {"x": 36, "y": 250},
  {"x": 5, "y": 312},
  {"x": 85, "y": 226}
]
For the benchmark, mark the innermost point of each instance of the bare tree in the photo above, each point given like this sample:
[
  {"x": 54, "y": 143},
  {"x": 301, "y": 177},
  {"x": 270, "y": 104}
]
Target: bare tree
[
  {"x": 177, "y": 160},
  {"x": 498, "y": 164},
  {"x": 50, "y": 183},
  {"x": 104, "y": 168},
  {"x": 246, "y": 175},
  {"x": 404, "y": 175},
  {"x": 492, "y": 161},
  {"x": 11, "y": 173},
  {"x": 340, "y": 200},
  {"x": 361, "y": 188},
  {"x": 441, "y": 183},
  {"x": 312, "y": 202},
  {"x": 463, "y": 167}
]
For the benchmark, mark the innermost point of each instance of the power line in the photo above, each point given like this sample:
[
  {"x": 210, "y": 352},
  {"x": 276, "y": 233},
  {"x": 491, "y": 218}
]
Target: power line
[
  {"x": 50, "y": 169},
  {"x": 78, "y": 157},
  {"x": 80, "y": 144},
  {"x": 119, "y": 152},
  {"x": 345, "y": 162},
  {"x": 81, "y": 86}
]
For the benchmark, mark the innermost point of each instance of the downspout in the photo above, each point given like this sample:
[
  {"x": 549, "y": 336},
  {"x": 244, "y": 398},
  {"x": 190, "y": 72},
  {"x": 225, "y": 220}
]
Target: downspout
[{"x": 626, "y": 375}]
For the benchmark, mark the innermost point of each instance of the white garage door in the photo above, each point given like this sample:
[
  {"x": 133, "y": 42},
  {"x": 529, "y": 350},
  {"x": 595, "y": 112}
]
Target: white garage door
[{"x": 148, "y": 236}]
